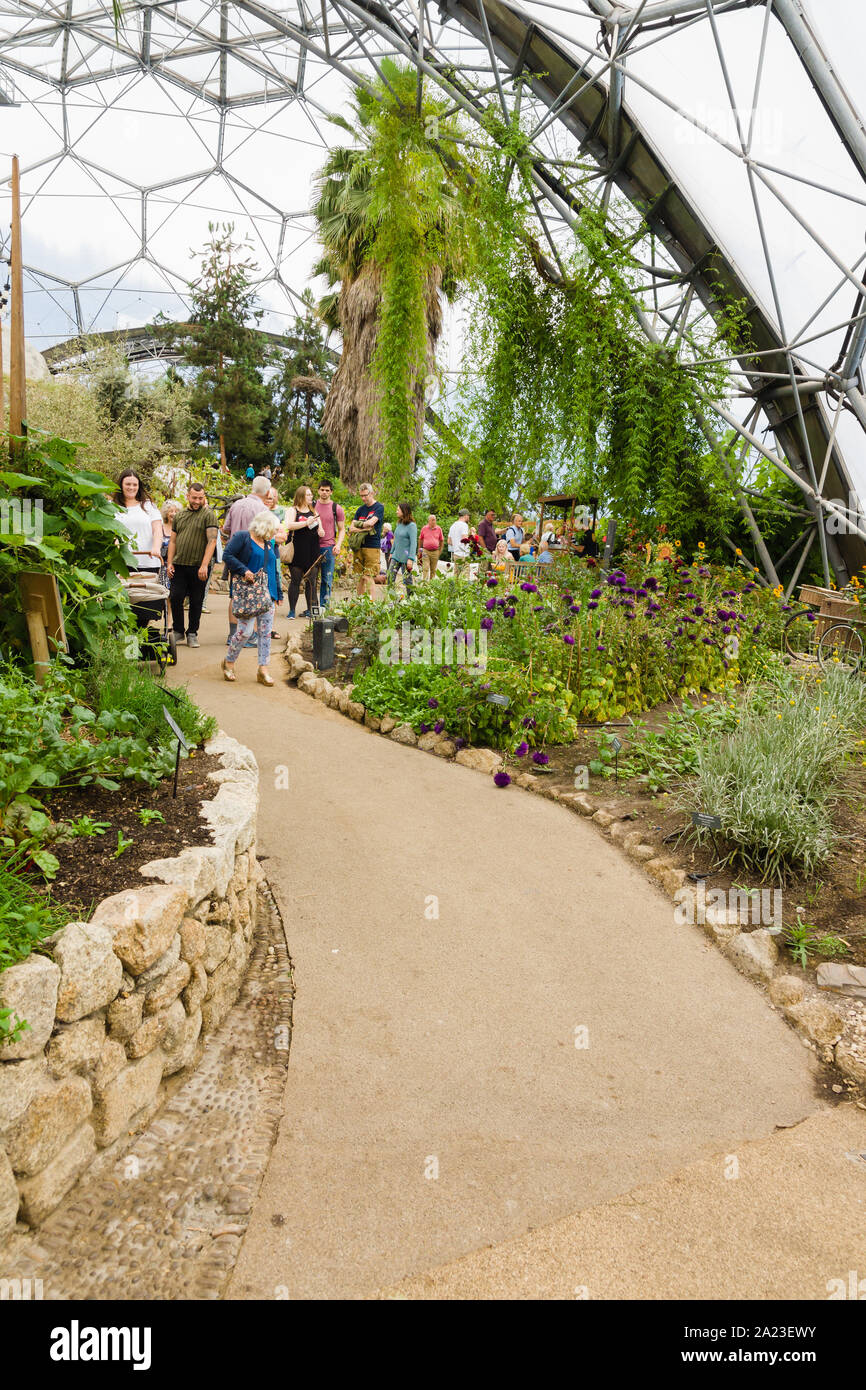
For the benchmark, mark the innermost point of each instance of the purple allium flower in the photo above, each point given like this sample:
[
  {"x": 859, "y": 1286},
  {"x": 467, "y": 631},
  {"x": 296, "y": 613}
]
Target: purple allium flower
[
  {"x": 486, "y": 687},
  {"x": 703, "y": 573},
  {"x": 529, "y": 588},
  {"x": 502, "y": 779},
  {"x": 641, "y": 593},
  {"x": 460, "y": 742},
  {"x": 699, "y": 612},
  {"x": 521, "y": 750},
  {"x": 500, "y": 603},
  {"x": 491, "y": 582},
  {"x": 757, "y": 629},
  {"x": 707, "y": 641},
  {"x": 592, "y": 604},
  {"x": 541, "y": 759},
  {"x": 423, "y": 728},
  {"x": 432, "y": 704},
  {"x": 538, "y": 608},
  {"x": 652, "y": 583},
  {"x": 486, "y": 624},
  {"x": 726, "y": 629},
  {"x": 568, "y": 598},
  {"x": 596, "y": 593},
  {"x": 653, "y": 608},
  {"x": 568, "y": 639},
  {"x": 810, "y": 618},
  {"x": 600, "y": 649},
  {"x": 690, "y": 596},
  {"x": 528, "y": 722},
  {"x": 732, "y": 593},
  {"x": 439, "y": 726},
  {"x": 490, "y": 604},
  {"x": 629, "y": 591},
  {"x": 508, "y": 612},
  {"x": 574, "y": 608},
  {"x": 510, "y": 598}
]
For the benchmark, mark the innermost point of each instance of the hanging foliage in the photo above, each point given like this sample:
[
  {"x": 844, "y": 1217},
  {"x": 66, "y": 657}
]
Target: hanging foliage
[{"x": 562, "y": 385}]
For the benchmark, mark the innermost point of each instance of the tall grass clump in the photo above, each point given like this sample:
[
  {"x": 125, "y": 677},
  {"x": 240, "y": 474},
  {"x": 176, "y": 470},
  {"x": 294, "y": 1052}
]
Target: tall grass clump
[
  {"x": 775, "y": 780},
  {"x": 115, "y": 683}
]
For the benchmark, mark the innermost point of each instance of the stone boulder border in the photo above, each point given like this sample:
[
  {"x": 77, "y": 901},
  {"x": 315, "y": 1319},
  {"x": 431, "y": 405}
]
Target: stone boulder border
[{"x": 126, "y": 1001}]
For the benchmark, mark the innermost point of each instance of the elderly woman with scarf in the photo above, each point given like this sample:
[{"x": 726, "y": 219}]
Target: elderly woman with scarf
[{"x": 247, "y": 553}]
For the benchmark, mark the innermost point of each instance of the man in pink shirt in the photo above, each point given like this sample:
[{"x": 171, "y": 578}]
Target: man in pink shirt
[
  {"x": 334, "y": 523},
  {"x": 430, "y": 544},
  {"x": 241, "y": 512}
]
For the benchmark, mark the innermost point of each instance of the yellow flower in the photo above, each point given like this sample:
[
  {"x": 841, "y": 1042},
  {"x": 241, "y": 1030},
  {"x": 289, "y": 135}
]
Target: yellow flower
[
  {"x": 738, "y": 551},
  {"x": 677, "y": 544},
  {"x": 701, "y": 545}
]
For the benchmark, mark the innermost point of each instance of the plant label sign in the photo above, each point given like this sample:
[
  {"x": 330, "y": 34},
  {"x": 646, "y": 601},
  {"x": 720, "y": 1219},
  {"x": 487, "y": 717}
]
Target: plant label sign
[
  {"x": 615, "y": 745},
  {"x": 178, "y": 732},
  {"x": 501, "y": 700},
  {"x": 315, "y": 611},
  {"x": 707, "y": 822}
]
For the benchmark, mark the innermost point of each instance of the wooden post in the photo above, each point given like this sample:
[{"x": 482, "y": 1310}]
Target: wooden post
[
  {"x": 38, "y": 643},
  {"x": 17, "y": 387}
]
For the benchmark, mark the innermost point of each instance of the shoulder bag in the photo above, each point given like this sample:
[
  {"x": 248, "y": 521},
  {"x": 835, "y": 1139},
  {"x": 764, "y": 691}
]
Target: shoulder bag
[{"x": 251, "y": 600}]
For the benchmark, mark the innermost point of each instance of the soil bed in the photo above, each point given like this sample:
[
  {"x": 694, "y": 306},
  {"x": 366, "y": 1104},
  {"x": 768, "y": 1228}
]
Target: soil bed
[{"x": 90, "y": 868}]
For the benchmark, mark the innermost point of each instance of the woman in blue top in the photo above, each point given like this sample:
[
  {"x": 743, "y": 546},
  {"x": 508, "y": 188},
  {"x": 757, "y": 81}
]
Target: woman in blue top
[
  {"x": 405, "y": 545},
  {"x": 245, "y": 555}
]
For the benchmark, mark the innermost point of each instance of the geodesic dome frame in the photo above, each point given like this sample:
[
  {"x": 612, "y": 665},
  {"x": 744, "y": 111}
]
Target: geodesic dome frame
[{"x": 732, "y": 125}]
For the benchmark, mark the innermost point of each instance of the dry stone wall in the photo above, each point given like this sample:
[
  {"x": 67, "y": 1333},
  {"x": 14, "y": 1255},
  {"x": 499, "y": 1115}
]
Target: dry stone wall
[{"x": 126, "y": 1001}]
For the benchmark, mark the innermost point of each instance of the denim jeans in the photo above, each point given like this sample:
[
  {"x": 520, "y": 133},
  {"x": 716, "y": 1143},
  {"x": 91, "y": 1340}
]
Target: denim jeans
[{"x": 326, "y": 573}]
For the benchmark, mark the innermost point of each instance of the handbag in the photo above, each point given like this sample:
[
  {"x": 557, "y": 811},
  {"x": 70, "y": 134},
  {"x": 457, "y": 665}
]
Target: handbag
[{"x": 251, "y": 600}]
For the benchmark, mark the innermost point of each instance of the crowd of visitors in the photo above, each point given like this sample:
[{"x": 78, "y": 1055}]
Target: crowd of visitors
[{"x": 262, "y": 543}]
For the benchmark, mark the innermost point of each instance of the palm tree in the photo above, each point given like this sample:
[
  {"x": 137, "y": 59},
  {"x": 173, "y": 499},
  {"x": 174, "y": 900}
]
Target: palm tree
[{"x": 395, "y": 238}]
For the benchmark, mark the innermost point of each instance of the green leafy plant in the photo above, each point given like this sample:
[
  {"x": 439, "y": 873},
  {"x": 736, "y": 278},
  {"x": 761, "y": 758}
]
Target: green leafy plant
[
  {"x": 148, "y": 815},
  {"x": 12, "y": 1028},
  {"x": 87, "y": 827},
  {"x": 832, "y": 947},
  {"x": 123, "y": 844},
  {"x": 800, "y": 938}
]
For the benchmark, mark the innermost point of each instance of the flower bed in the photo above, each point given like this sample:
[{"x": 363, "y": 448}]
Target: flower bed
[{"x": 568, "y": 649}]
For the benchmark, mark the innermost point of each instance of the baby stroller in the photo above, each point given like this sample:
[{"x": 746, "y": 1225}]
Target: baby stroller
[{"x": 148, "y": 599}]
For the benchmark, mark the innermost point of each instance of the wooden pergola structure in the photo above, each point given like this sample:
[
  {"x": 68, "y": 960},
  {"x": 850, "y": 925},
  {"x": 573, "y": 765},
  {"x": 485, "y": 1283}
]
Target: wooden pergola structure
[{"x": 566, "y": 502}]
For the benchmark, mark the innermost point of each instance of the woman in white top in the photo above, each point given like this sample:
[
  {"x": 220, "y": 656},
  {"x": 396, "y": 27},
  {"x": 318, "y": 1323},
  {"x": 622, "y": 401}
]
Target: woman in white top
[{"x": 141, "y": 519}]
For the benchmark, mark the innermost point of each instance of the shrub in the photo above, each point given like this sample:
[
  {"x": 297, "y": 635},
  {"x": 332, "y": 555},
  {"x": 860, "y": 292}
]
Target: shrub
[{"x": 774, "y": 781}]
